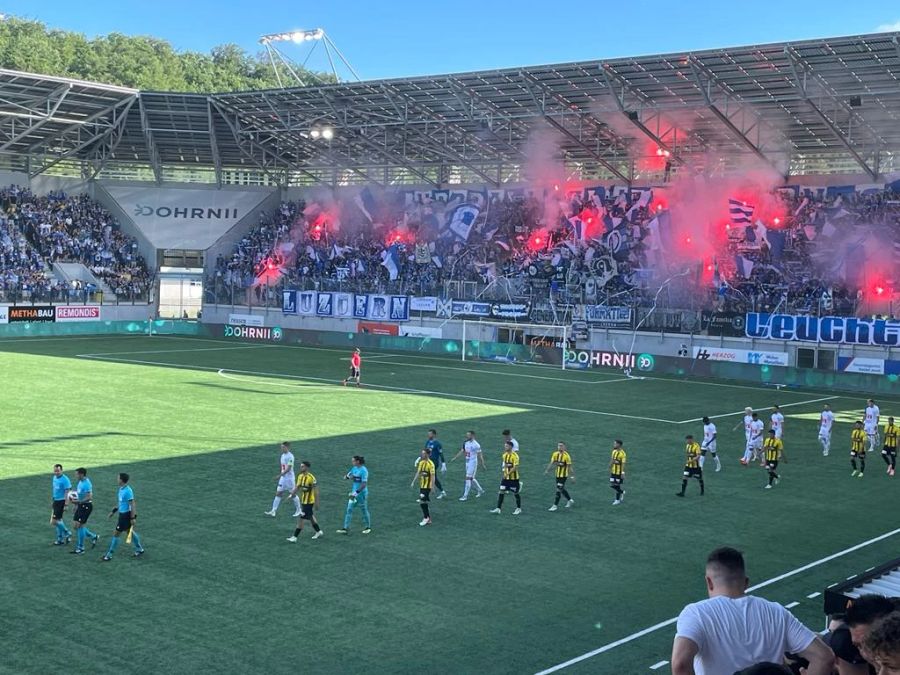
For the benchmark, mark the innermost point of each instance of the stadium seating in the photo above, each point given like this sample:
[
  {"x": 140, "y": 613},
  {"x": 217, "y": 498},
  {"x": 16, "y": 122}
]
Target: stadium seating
[
  {"x": 37, "y": 231},
  {"x": 814, "y": 260}
]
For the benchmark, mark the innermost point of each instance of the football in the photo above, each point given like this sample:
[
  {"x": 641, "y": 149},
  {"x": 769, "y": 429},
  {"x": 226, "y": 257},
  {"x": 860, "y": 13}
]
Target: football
[{"x": 72, "y": 496}]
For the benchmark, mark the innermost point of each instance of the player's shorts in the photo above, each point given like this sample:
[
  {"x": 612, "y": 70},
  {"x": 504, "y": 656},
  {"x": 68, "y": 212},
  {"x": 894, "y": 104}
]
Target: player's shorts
[
  {"x": 124, "y": 522},
  {"x": 59, "y": 505},
  {"x": 471, "y": 469},
  {"x": 693, "y": 472},
  {"x": 306, "y": 511},
  {"x": 858, "y": 455},
  {"x": 709, "y": 448},
  {"x": 83, "y": 512},
  {"x": 561, "y": 482},
  {"x": 424, "y": 494},
  {"x": 889, "y": 451},
  {"x": 509, "y": 485},
  {"x": 354, "y": 371},
  {"x": 771, "y": 466},
  {"x": 286, "y": 483},
  {"x": 616, "y": 479},
  {"x": 870, "y": 431},
  {"x": 825, "y": 433}
]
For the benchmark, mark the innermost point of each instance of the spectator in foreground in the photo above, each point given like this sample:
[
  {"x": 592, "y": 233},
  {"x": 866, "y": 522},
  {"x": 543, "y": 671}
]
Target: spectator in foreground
[
  {"x": 883, "y": 644},
  {"x": 866, "y": 611},
  {"x": 732, "y": 630},
  {"x": 847, "y": 658}
]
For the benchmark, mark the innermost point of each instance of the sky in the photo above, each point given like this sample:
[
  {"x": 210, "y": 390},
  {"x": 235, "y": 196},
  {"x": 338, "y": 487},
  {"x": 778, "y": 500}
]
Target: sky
[{"x": 399, "y": 38}]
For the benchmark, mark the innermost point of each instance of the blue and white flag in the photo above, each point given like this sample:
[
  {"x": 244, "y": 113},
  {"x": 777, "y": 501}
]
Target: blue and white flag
[
  {"x": 390, "y": 259},
  {"x": 744, "y": 266},
  {"x": 365, "y": 200},
  {"x": 741, "y": 212},
  {"x": 461, "y": 220}
]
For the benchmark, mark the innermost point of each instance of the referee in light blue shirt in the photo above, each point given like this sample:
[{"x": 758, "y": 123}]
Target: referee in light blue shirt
[
  {"x": 127, "y": 516},
  {"x": 61, "y": 487},
  {"x": 85, "y": 505}
]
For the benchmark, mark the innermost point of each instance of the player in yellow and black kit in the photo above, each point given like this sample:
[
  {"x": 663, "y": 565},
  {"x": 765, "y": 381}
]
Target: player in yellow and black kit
[
  {"x": 561, "y": 460},
  {"x": 773, "y": 450},
  {"x": 617, "y": 471},
  {"x": 691, "y": 465},
  {"x": 858, "y": 440},
  {"x": 889, "y": 453},
  {"x": 510, "y": 479},
  {"x": 308, "y": 488},
  {"x": 425, "y": 475}
]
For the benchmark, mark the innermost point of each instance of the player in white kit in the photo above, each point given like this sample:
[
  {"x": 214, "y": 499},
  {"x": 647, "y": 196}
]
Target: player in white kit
[
  {"x": 709, "y": 444},
  {"x": 777, "y": 422},
  {"x": 286, "y": 480},
  {"x": 474, "y": 458},
  {"x": 826, "y": 422},
  {"x": 870, "y": 423},
  {"x": 745, "y": 422},
  {"x": 755, "y": 440}
]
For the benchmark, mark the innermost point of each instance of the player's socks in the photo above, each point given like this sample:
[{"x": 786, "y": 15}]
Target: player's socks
[
  {"x": 477, "y": 486},
  {"x": 113, "y": 543},
  {"x": 683, "y": 486},
  {"x": 316, "y": 527},
  {"x": 718, "y": 462},
  {"x": 59, "y": 534},
  {"x": 518, "y": 501},
  {"x": 88, "y": 533},
  {"x": 885, "y": 458},
  {"x": 296, "y": 501},
  {"x": 701, "y": 487},
  {"x": 467, "y": 488},
  {"x": 79, "y": 538},
  {"x": 297, "y": 531},
  {"x": 425, "y": 510},
  {"x": 557, "y": 498},
  {"x": 276, "y": 503},
  {"x": 565, "y": 493},
  {"x": 136, "y": 541},
  {"x": 500, "y": 500},
  {"x": 702, "y": 460}
]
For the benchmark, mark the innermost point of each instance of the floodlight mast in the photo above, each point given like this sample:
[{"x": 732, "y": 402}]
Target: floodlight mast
[{"x": 316, "y": 36}]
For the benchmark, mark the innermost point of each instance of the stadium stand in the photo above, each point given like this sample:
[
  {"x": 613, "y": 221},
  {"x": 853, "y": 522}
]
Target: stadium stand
[{"x": 38, "y": 231}]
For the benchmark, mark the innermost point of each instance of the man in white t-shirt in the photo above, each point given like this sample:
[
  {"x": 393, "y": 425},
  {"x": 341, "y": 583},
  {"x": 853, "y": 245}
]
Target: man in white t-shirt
[
  {"x": 732, "y": 630},
  {"x": 870, "y": 423},
  {"x": 826, "y": 422},
  {"x": 709, "y": 444},
  {"x": 754, "y": 440}
]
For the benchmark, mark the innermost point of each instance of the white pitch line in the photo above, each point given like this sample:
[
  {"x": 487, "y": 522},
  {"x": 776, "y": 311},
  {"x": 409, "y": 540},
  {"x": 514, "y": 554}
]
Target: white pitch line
[
  {"x": 176, "y": 351},
  {"x": 669, "y": 622},
  {"x": 786, "y": 405},
  {"x": 813, "y": 595},
  {"x": 385, "y": 387},
  {"x": 658, "y": 665},
  {"x": 496, "y": 372},
  {"x": 791, "y": 605}
]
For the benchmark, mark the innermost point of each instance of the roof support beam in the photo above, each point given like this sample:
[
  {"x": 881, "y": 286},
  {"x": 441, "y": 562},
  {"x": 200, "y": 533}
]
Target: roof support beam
[
  {"x": 117, "y": 115},
  {"x": 401, "y": 161},
  {"x": 618, "y": 88},
  {"x": 214, "y": 143},
  {"x": 802, "y": 75},
  {"x": 709, "y": 86},
  {"x": 152, "y": 151},
  {"x": 106, "y": 146},
  {"x": 60, "y": 95},
  {"x": 531, "y": 82}
]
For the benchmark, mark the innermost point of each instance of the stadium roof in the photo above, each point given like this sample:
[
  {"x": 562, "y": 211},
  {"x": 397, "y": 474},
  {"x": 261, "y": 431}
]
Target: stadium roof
[{"x": 816, "y": 106}]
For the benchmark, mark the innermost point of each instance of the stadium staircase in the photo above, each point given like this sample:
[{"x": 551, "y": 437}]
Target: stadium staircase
[{"x": 71, "y": 271}]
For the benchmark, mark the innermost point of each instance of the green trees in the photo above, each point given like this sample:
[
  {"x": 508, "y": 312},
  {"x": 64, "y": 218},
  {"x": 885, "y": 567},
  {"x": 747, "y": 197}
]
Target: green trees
[{"x": 133, "y": 61}]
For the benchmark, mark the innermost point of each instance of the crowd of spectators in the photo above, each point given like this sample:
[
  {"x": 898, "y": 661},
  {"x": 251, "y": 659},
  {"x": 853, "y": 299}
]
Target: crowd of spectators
[
  {"x": 36, "y": 231},
  {"x": 614, "y": 249}
]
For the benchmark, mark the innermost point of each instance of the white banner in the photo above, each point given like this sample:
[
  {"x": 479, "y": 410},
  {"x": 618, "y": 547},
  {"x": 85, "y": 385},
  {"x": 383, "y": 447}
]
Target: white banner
[
  {"x": 184, "y": 218},
  {"x": 246, "y": 320},
  {"x": 306, "y": 303},
  {"x": 421, "y": 331},
  {"x": 4, "y": 314},
  {"x": 861, "y": 364},
  {"x": 742, "y": 356},
  {"x": 343, "y": 305},
  {"x": 66, "y": 313},
  {"x": 424, "y": 304}
]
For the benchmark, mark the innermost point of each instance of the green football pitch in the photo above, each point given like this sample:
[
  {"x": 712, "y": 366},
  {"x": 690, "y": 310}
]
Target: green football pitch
[{"x": 197, "y": 425}]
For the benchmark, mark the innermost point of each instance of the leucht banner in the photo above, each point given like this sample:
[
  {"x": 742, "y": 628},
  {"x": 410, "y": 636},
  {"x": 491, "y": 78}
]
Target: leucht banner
[
  {"x": 346, "y": 305},
  {"x": 830, "y": 329}
]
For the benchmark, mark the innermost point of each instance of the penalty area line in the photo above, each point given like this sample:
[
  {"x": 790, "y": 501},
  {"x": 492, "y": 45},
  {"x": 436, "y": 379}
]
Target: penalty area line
[
  {"x": 786, "y": 405},
  {"x": 668, "y": 622}
]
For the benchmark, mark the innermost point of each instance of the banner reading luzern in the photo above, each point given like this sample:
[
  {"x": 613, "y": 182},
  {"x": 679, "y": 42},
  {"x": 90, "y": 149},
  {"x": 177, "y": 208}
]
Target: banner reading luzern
[{"x": 184, "y": 218}]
